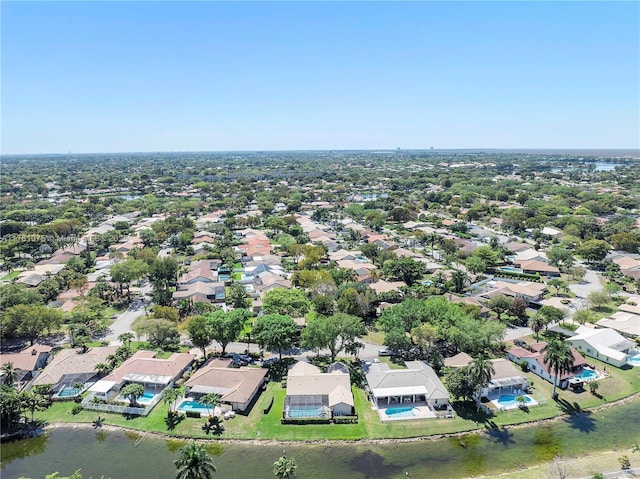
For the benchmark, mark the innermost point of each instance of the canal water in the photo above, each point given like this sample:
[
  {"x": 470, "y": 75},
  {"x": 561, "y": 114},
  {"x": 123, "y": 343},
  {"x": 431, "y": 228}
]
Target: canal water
[{"x": 123, "y": 455}]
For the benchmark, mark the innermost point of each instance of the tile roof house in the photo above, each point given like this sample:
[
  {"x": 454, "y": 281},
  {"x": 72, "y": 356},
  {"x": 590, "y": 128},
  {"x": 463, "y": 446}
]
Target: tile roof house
[
  {"x": 28, "y": 361},
  {"x": 626, "y": 323},
  {"x": 535, "y": 266},
  {"x": 310, "y": 391},
  {"x": 535, "y": 362},
  {"x": 237, "y": 387},
  {"x": 144, "y": 368},
  {"x": 70, "y": 363},
  {"x": 604, "y": 344},
  {"x": 505, "y": 379},
  {"x": 418, "y": 383}
]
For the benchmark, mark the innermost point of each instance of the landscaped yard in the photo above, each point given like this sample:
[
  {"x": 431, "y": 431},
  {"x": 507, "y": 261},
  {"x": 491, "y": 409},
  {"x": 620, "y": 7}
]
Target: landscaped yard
[{"x": 257, "y": 425}]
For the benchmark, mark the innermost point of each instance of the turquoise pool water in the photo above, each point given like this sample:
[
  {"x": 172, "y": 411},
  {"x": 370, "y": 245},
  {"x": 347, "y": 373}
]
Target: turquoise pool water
[
  {"x": 635, "y": 360},
  {"x": 146, "y": 398},
  {"x": 426, "y": 282},
  {"x": 306, "y": 411},
  {"x": 192, "y": 406},
  {"x": 587, "y": 374},
  {"x": 399, "y": 412},
  {"x": 511, "y": 269},
  {"x": 508, "y": 400},
  {"x": 68, "y": 391}
]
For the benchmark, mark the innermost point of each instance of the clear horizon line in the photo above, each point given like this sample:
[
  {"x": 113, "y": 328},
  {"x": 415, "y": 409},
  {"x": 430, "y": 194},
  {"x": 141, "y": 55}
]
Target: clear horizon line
[{"x": 636, "y": 150}]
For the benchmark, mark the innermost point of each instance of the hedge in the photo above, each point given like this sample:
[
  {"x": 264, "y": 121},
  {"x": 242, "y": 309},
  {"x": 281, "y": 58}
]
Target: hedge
[
  {"x": 305, "y": 420},
  {"x": 345, "y": 419},
  {"x": 268, "y": 408}
]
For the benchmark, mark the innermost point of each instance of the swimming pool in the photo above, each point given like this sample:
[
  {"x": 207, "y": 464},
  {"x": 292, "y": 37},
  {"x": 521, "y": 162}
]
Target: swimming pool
[
  {"x": 587, "y": 374},
  {"x": 399, "y": 412},
  {"x": 68, "y": 391},
  {"x": 306, "y": 411},
  {"x": 634, "y": 361},
  {"x": 146, "y": 398},
  {"x": 427, "y": 282},
  {"x": 509, "y": 401},
  {"x": 511, "y": 269},
  {"x": 193, "y": 406}
]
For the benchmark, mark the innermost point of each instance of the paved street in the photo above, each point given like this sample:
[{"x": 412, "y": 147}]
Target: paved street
[{"x": 123, "y": 323}]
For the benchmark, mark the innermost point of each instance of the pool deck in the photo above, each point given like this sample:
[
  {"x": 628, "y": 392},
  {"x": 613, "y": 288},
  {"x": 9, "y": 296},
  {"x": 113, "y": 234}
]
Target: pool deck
[
  {"x": 420, "y": 410},
  {"x": 502, "y": 407}
]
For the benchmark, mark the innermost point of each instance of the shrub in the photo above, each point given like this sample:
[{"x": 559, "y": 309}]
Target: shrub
[
  {"x": 345, "y": 419},
  {"x": 305, "y": 420},
  {"x": 268, "y": 408},
  {"x": 76, "y": 409},
  {"x": 195, "y": 414}
]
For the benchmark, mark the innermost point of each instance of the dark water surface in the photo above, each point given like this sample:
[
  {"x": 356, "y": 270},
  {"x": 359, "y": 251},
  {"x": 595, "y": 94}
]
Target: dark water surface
[{"x": 129, "y": 455}]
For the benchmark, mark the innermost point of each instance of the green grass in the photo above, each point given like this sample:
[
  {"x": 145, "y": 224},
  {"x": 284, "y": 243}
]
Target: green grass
[
  {"x": 10, "y": 276},
  {"x": 374, "y": 337},
  {"x": 399, "y": 364},
  {"x": 257, "y": 425}
]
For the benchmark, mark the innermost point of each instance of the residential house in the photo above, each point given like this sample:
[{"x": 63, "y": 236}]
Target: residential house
[
  {"x": 416, "y": 385},
  {"x": 534, "y": 360},
  {"x": 605, "y": 344},
  {"x": 70, "y": 366},
  {"x": 460, "y": 360},
  {"x": 27, "y": 362},
  {"x": 236, "y": 386},
  {"x": 312, "y": 393},
  {"x": 506, "y": 379},
  {"x": 539, "y": 267},
  {"x": 144, "y": 368},
  {"x": 626, "y": 323}
]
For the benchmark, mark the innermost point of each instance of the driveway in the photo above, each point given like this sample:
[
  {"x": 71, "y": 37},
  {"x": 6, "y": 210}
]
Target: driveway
[{"x": 123, "y": 323}]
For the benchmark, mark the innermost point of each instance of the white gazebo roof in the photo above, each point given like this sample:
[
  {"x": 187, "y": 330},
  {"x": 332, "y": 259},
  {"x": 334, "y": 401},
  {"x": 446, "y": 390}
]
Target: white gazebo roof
[{"x": 102, "y": 386}]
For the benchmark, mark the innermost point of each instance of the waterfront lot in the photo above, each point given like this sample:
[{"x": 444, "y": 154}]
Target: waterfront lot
[{"x": 257, "y": 425}]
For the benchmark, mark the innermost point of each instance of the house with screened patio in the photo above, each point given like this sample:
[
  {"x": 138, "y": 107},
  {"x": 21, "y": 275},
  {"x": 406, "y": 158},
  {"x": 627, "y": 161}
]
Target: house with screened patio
[
  {"x": 314, "y": 394},
  {"x": 412, "y": 393}
]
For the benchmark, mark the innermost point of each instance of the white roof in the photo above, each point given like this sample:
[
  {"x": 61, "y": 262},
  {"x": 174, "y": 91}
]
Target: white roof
[
  {"x": 606, "y": 341},
  {"x": 102, "y": 386}
]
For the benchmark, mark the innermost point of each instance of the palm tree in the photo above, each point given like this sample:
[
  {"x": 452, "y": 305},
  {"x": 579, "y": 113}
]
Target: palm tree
[
  {"x": 480, "y": 372},
  {"x": 285, "y": 467},
  {"x": 194, "y": 463},
  {"x": 10, "y": 374},
  {"x": 126, "y": 338},
  {"x": 212, "y": 400},
  {"x": 103, "y": 369},
  {"x": 459, "y": 279},
  {"x": 32, "y": 402},
  {"x": 170, "y": 396},
  {"x": 536, "y": 323},
  {"x": 558, "y": 356}
]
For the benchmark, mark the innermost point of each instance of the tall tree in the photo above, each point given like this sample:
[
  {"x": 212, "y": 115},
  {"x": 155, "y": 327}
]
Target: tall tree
[
  {"x": 558, "y": 356},
  {"x": 333, "y": 333},
  {"x": 226, "y": 327},
  {"x": 210, "y": 401},
  {"x": 275, "y": 332},
  {"x": 200, "y": 333},
  {"x": 194, "y": 463},
  {"x": 480, "y": 371},
  {"x": 10, "y": 373},
  {"x": 132, "y": 391}
]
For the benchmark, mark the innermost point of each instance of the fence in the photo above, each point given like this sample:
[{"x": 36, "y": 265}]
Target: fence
[{"x": 88, "y": 403}]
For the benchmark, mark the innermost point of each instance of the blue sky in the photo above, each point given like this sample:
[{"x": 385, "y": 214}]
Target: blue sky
[{"x": 200, "y": 76}]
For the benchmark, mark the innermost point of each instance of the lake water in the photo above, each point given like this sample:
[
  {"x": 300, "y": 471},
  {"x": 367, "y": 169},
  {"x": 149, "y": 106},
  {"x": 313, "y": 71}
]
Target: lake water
[
  {"x": 129, "y": 455},
  {"x": 600, "y": 166}
]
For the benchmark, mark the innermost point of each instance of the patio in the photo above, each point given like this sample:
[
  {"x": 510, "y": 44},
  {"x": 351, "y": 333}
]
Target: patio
[{"x": 405, "y": 412}]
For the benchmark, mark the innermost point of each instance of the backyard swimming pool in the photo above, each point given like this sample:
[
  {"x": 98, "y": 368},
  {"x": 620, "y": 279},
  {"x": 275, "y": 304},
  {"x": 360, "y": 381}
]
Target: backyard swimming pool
[
  {"x": 511, "y": 269},
  {"x": 68, "y": 391},
  {"x": 399, "y": 412},
  {"x": 587, "y": 374},
  {"x": 508, "y": 401},
  {"x": 634, "y": 361},
  {"x": 193, "y": 406},
  {"x": 146, "y": 398},
  {"x": 306, "y": 411}
]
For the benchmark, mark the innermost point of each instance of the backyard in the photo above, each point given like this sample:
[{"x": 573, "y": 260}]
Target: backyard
[{"x": 257, "y": 425}]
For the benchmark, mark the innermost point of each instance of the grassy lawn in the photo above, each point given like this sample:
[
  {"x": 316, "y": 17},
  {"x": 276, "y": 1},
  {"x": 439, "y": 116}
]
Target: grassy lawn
[
  {"x": 374, "y": 337},
  {"x": 10, "y": 276},
  {"x": 257, "y": 425}
]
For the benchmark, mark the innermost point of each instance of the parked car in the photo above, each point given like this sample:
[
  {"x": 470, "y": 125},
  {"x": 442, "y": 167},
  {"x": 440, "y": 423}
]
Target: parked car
[{"x": 384, "y": 352}]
